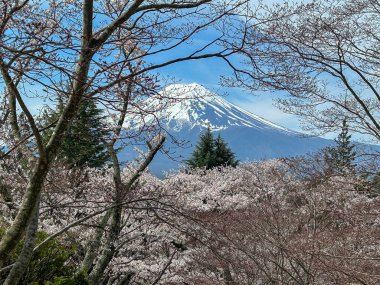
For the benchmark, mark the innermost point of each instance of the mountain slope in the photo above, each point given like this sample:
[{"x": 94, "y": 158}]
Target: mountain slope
[
  {"x": 200, "y": 107},
  {"x": 251, "y": 137}
]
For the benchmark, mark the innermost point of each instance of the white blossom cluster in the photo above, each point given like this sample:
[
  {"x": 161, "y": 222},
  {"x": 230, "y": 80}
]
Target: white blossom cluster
[{"x": 254, "y": 224}]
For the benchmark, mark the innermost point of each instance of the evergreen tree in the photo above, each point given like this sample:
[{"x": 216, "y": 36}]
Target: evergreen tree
[
  {"x": 211, "y": 152},
  {"x": 342, "y": 156},
  {"x": 203, "y": 154},
  {"x": 223, "y": 154},
  {"x": 83, "y": 143}
]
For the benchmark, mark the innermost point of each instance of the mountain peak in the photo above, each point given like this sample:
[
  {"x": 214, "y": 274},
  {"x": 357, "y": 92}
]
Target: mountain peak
[
  {"x": 194, "y": 105},
  {"x": 182, "y": 107},
  {"x": 186, "y": 91},
  {"x": 185, "y": 110}
]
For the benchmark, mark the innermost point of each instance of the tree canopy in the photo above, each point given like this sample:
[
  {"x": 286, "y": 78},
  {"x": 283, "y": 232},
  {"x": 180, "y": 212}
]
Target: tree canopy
[
  {"x": 322, "y": 57},
  {"x": 106, "y": 52},
  {"x": 342, "y": 155},
  {"x": 84, "y": 143},
  {"x": 211, "y": 152},
  {"x": 127, "y": 227}
]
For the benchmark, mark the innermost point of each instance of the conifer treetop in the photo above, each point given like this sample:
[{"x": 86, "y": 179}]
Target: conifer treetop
[{"x": 211, "y": 152}]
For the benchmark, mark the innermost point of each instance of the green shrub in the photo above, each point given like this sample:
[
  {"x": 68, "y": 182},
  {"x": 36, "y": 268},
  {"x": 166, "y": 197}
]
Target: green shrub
[
  {"x": 50, "y": 261},
  {"x": 77, "y": 280}
]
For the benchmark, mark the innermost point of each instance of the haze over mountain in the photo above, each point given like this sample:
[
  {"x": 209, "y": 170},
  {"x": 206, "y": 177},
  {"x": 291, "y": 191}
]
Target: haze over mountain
[{"x": 249, "y": 136}]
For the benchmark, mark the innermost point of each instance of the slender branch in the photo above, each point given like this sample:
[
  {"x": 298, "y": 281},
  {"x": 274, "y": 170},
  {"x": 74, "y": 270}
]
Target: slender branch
[
  {"x": 102, "y": 35},
  {"x": 12, "y": 89},
  {"x": 162, "y": 272}
]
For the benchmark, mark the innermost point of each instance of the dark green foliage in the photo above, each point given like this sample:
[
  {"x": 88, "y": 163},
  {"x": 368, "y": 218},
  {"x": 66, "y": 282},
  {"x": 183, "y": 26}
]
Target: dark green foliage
[
  {"x": 83, "y": 144},
  {"x": 210, "y": 153},
  {"x": 50, "y": 261},
  {"x": 341, "y": 157},
  {"x": 223, "y": 154},
  {"x": 76, "y": 280},
  {"x": 203, "y": 154}
]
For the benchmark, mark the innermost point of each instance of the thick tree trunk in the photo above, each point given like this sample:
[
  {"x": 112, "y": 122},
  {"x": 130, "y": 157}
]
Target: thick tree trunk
[
  {"x": 16, "y": 230},
  {"x": 94, "y": 245},
  {"x": 120, "y": 191},
  {"x": 30, "y": 199},
  {"x": 20, "y": 266},
  {"x": 108, "y": 251},
  {"x": 109, "y": 247}
]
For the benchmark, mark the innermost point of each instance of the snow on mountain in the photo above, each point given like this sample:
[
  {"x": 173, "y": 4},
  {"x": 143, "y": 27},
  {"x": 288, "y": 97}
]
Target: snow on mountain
[
  {"x": 197, "y": 106},
  {"x": 185, "y": 111}
]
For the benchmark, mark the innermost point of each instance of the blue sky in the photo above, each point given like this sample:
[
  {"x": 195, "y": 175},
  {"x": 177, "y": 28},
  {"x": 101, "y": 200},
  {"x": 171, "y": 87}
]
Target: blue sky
[{"x": 207, "y": 73}]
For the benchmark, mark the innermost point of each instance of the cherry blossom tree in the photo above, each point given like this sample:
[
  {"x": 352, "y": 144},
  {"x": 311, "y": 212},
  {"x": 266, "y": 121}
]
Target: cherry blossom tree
[
  {"x": 266, "y": 224},
  {"x": 104, "y": 51},
  {"x": 263, "y": 222},
  {"x": 322, "y": 56}
]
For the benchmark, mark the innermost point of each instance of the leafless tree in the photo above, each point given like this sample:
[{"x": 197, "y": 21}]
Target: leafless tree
[
  {"x": 103, "y": 50},
  {"x": 323, "y": 55}
]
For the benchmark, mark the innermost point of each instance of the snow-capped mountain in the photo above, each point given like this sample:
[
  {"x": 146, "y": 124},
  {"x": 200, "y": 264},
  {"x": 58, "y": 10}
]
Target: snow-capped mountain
[
  {"x": 187, "y": 110},
  {"x": 199, "y": 107}
]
